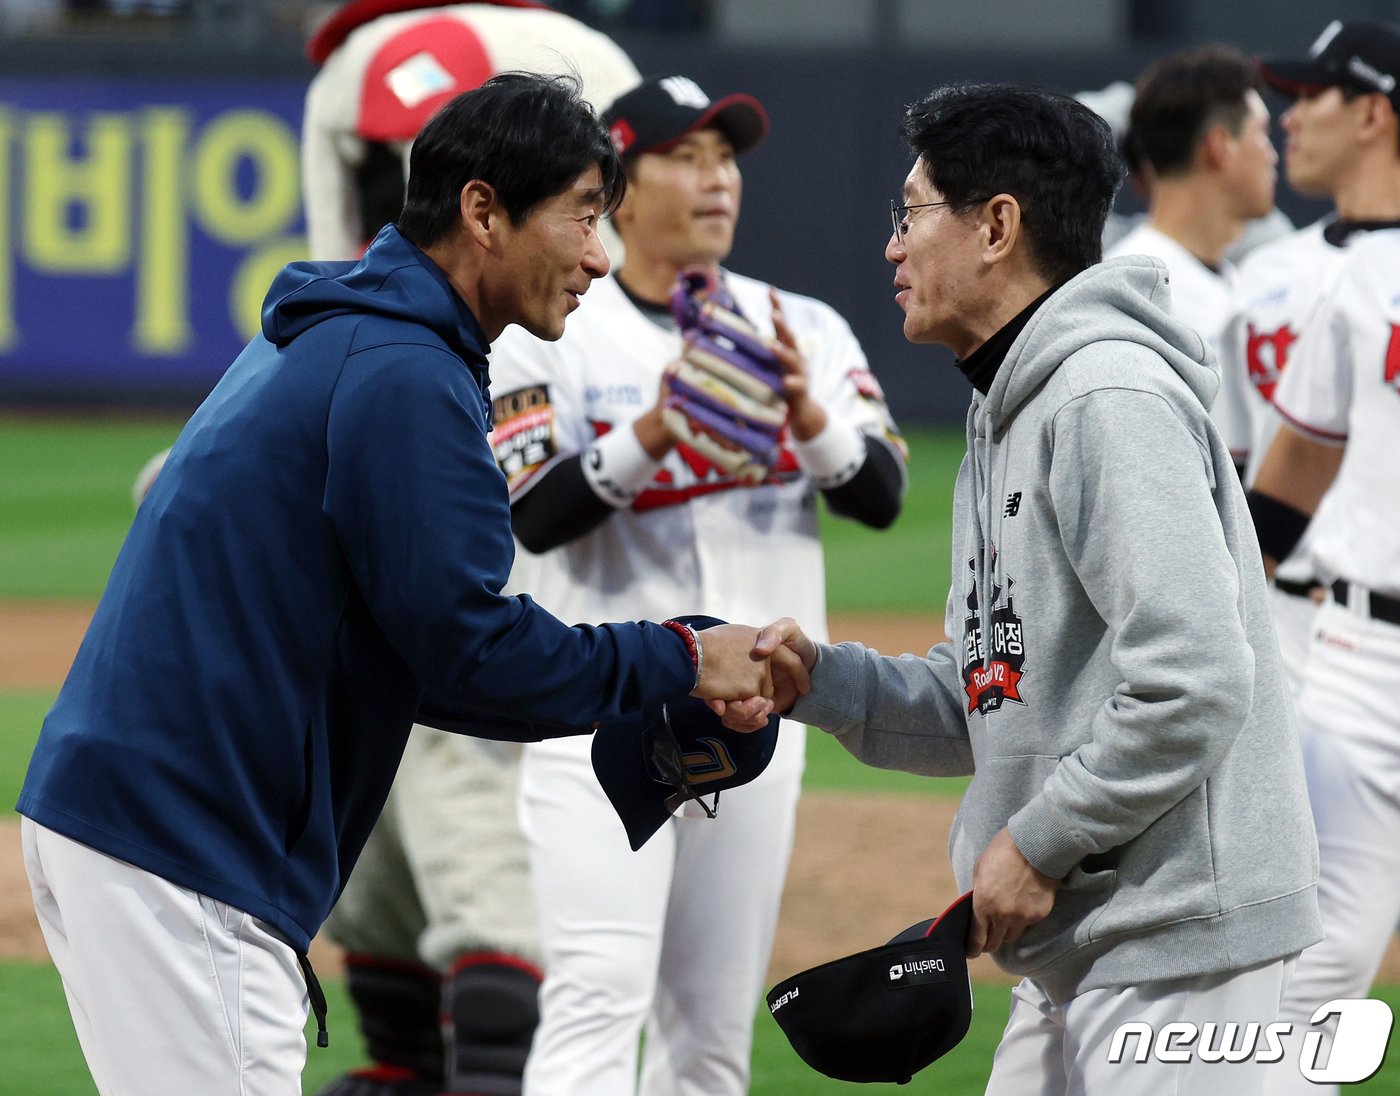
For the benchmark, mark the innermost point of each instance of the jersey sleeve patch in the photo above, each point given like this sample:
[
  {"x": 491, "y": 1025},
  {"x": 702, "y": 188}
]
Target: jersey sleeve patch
[
  {"x": 868, "y": 388},
  {"x": 867, "y": 385},
  {"x": 523, "y": 438}
]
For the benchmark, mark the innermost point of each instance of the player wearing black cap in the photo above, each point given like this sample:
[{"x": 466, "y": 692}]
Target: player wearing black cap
[
  {"x": 627, "y": 510},
  {"x": 1320, "y": 337}
]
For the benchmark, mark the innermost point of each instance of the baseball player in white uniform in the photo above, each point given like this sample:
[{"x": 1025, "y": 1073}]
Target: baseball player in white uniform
[
  {"x": 675, "y": 937},
  {"x": 1200, "y": 132},
  {"x": 1340, "y": 145},
  {"x": 1340, "y": 399},
  {"x": 441, "y": 966}
]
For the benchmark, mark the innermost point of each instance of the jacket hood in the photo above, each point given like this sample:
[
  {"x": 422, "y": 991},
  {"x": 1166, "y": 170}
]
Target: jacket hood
[
  {"x": 1136, "y": 290},
  {"x": 393, "y": 280}
]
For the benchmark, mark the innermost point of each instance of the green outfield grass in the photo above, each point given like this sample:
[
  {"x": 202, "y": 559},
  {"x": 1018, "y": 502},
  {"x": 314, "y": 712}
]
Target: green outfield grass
[
  {"x": 21, "y": 711},
  {"x": 40, "y": 1055},
  {"x": 64, "y": 508},
  {"x": 832, "y": 769},
  {"x": 65, "y": 499},
  {"x": 65, "y": 504},
  {"x": 903, "y": 569},
  {"x": 777, "y": 1070}
]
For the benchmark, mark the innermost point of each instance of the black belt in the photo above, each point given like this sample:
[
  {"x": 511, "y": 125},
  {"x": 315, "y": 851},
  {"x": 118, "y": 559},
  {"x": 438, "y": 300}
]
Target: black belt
[
  {"x": 1296, "y": 589},
  {"x": 1381, "y": 606}
]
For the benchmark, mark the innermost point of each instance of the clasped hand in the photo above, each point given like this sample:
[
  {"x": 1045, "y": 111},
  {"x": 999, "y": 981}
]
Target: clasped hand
[{"x": 750, "y": 673}]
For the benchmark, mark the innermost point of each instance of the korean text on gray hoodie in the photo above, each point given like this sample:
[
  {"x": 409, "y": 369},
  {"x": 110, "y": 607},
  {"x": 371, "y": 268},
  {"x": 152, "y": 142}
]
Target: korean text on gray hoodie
[{"x": 1113, "y": 681}]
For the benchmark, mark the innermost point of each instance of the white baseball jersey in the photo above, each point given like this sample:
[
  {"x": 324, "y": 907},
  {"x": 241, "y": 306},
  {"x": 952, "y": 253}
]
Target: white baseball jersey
[
  {"x": 1203, "y": 298},
  {"x": 692, "y": 539},
  {"x": 676, "y": 936},
  {"x": 383, "y": 82},
  {"x": 1343, "y": 386},
  {"x": 1277, "y": 291}
]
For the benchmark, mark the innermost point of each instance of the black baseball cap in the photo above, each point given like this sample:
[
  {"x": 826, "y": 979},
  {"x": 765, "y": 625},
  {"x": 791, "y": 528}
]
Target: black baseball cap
[
  {"x": 1361, "y": 56},
  {"x": 650, "y": 762},
  {"x": 886, "y": 1013},
  {"x": 661, "y": 110}
]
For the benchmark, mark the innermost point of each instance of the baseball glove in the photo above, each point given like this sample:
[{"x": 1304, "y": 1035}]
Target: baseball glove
[{"x": 726, "y": 392}]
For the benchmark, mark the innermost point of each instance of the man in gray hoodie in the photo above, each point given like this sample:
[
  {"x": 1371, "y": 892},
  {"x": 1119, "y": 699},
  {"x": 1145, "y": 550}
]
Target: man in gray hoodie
[{"x": 1136, "y": 832}]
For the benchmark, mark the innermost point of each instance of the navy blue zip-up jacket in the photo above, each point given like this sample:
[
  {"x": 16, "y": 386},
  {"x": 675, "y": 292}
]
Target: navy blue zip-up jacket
[{"x": 323, "y": 551}]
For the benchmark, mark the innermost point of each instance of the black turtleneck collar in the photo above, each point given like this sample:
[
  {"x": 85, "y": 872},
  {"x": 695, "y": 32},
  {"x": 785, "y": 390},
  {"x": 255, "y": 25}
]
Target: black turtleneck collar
[
  {"x": 1338, "y": 232},
  {"x": 981, "y": 366}
]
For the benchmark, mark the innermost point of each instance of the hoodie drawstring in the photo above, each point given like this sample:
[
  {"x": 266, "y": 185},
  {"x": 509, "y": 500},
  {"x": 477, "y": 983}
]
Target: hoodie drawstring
[
  {"x": 982, "y": 580},
  {"x": 317, "y": 997}
]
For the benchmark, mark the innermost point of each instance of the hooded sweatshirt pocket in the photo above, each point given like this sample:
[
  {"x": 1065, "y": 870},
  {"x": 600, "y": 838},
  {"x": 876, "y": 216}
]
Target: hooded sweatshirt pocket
[{"x": 1163, "y": 875}]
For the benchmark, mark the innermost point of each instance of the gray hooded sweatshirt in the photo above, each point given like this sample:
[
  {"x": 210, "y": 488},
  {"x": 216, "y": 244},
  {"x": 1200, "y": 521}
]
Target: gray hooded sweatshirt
[{"x": 1113, "y": 683}]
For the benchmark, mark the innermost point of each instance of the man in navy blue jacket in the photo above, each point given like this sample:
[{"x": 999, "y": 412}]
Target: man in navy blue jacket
[{"x": 318, "y": 564}]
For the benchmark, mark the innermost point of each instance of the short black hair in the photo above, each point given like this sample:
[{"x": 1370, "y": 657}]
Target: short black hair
[
  {"x": 1180, "y": 97},
  {"x": 526, "y": 135},
  {"x": 1054, "y": 155}
]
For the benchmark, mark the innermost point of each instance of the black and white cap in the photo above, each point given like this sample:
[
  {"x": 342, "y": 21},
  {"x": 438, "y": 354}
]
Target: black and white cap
[
  {"x": 886, "y": 1013},
  {"x": 662, "y": 110},
  {"x": 1361, "y": 56}
]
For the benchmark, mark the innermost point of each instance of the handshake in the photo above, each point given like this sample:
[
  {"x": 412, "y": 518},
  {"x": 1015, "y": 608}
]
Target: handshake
[{"x": 749, "y": 673}]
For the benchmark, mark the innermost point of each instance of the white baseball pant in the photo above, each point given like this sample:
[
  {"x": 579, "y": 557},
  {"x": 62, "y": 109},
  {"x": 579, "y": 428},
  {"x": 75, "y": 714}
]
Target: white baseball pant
[
  {"x": 445, "y": 871},
  {"x": 1293, "y": 623},
  {"x": 1061, "y": 1048},
  {"x": 675, "y": 937},
  {"x": 172, "y": 993},
  {"x": 1349, "y": 719}
]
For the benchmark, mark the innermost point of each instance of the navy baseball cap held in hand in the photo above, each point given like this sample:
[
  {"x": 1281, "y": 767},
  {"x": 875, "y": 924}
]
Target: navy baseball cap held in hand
[
  {"x": 662, "y": 110},
  {"x": 650, "y": 763},
  {"x": 1364, "y": 57},
  {"x": 886, "y": 1013}
]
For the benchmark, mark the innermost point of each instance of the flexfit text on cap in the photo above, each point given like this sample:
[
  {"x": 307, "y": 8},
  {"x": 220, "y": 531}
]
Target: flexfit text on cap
[
  {"x": 886, "y": 1013},
  {"x": 1362, "y": 56},
  {"x": 661, "y": 111},
  {"x": 649, "y": 762}
]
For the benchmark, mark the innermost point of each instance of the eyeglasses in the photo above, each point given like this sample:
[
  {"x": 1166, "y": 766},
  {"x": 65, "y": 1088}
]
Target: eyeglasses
[{"x": 898, "y": 212}]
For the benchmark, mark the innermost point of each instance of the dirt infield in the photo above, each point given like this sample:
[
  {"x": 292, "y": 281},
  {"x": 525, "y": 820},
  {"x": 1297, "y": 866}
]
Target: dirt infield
[
  {"x": 38, "y": 642},
  {"x": 864, "y": 867}
]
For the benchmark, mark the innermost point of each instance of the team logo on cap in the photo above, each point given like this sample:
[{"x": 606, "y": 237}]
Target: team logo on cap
[
  {"x": 684, "y": 92},
  {"x": 991, "y": 681},
  {"x": 1369, "y": 74},
  {"x": 1325, "y": 38},
  {"x": 711, "y": 762},
  {"x": 622, "y": 135}
]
